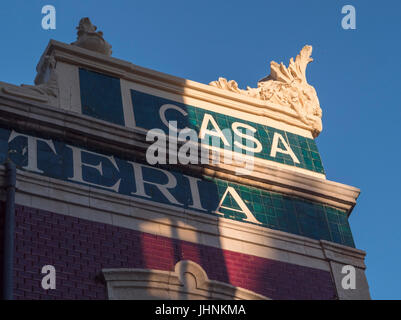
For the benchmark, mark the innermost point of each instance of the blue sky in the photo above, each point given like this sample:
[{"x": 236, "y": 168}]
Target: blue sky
[{"x": 356, "y": 74}]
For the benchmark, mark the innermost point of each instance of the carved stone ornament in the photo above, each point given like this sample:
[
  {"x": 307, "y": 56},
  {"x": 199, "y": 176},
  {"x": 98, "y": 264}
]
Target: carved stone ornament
[
  {"x": 45, "y": 87},
  {"x": 89, "y": 38},
  {"x": 188, "y": 281},
  {"x": 286, "y": 87}
]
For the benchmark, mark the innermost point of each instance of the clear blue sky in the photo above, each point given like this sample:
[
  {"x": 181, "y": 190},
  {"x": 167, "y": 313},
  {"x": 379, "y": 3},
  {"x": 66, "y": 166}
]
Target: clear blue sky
[{"x": 356, "y": 74}]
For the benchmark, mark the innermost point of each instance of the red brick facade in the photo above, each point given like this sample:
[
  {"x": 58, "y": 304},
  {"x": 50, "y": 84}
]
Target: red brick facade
[{"x": 79, "y": 249}]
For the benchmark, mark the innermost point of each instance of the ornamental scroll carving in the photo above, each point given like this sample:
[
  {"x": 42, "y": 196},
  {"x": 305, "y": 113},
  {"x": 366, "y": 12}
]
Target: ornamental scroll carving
[
  {"x": 47, "y": 83},
  {"x": 46, "y": 86},
  {"x": 89, "y": 38},
  {"x": 286, "y": 87}
]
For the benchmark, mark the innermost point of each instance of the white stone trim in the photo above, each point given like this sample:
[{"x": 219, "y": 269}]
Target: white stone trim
[
  {"x": 128, "y": 108},
  {"x": 69, "y": 86},
  {"x": 115, "y": 67},
  {"x": 116, "y": 139},
  {"x": 188, "y": 281},
  {"x": 103, "y": 206},
  {"x": 70, "y": 100},
  {"x": 21, "y": 93},
  {"x": 240, "y": 112}
]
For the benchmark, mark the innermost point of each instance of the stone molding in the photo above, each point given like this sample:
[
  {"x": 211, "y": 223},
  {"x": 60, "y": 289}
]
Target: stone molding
[
  {"x": 46, "y": 88},
  {"x": 188, "y": 281},
  {"x": 164, "y": 220},
  {"x": 114, "y": 139},
  {"x": 125, "y": 70},
  {"x": 103, "y": 206}
]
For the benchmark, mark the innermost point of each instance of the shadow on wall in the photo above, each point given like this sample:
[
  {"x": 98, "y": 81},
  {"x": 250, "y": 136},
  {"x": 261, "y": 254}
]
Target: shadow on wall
[
  {"x": 193, "y": 262},
  {"x": 80, "y": 249}
]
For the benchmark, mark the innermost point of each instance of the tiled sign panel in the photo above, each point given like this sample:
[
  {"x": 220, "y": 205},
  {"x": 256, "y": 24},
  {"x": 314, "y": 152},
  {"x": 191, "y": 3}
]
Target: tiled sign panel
[
  {"x": 101, "y": 98},
  {"x": 59, "y": 160}
]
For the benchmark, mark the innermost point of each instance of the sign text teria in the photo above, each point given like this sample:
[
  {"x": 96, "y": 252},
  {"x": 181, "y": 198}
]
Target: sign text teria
[{"x": 186, "y": 193}]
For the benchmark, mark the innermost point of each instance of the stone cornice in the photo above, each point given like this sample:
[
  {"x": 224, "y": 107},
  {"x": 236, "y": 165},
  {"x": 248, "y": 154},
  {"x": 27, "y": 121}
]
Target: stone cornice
[
  {"x": 129, "y": 142},
  {"x": 343, "y": 254}
]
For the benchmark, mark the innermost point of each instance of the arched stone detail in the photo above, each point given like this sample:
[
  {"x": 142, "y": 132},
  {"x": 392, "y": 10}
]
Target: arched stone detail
[{"x": 188, "y": 281}]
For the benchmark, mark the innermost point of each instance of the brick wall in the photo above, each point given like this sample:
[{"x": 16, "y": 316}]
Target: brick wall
[{"x": 79, "y": 249}]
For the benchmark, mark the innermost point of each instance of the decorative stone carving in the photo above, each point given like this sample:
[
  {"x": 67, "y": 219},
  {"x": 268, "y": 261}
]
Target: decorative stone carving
[
  {"x": 89, "y": 38},
  {"x": 47, "y": 82},
  {"x": 46, "y": 85},
  {"x": 286, "y": 87},
  {"x": 188, "y": 281}
]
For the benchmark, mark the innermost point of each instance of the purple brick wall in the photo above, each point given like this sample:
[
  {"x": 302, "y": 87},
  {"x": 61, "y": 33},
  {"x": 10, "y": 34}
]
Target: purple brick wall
[{"x": 79, "y": 249}]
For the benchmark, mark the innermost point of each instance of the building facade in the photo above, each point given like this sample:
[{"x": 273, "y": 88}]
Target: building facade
[{"x": 117, "y": 199}]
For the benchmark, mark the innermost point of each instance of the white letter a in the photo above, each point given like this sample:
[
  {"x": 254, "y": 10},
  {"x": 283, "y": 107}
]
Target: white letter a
[
  {"x": 276, "y": 148},
  {"x": 49, "y": 280},
  {"x": 349, "y": 280},
  {"x": 348, "y": 21},
  {"x": 49, "y": 20},
  {"x": 241, "y": 204}
]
